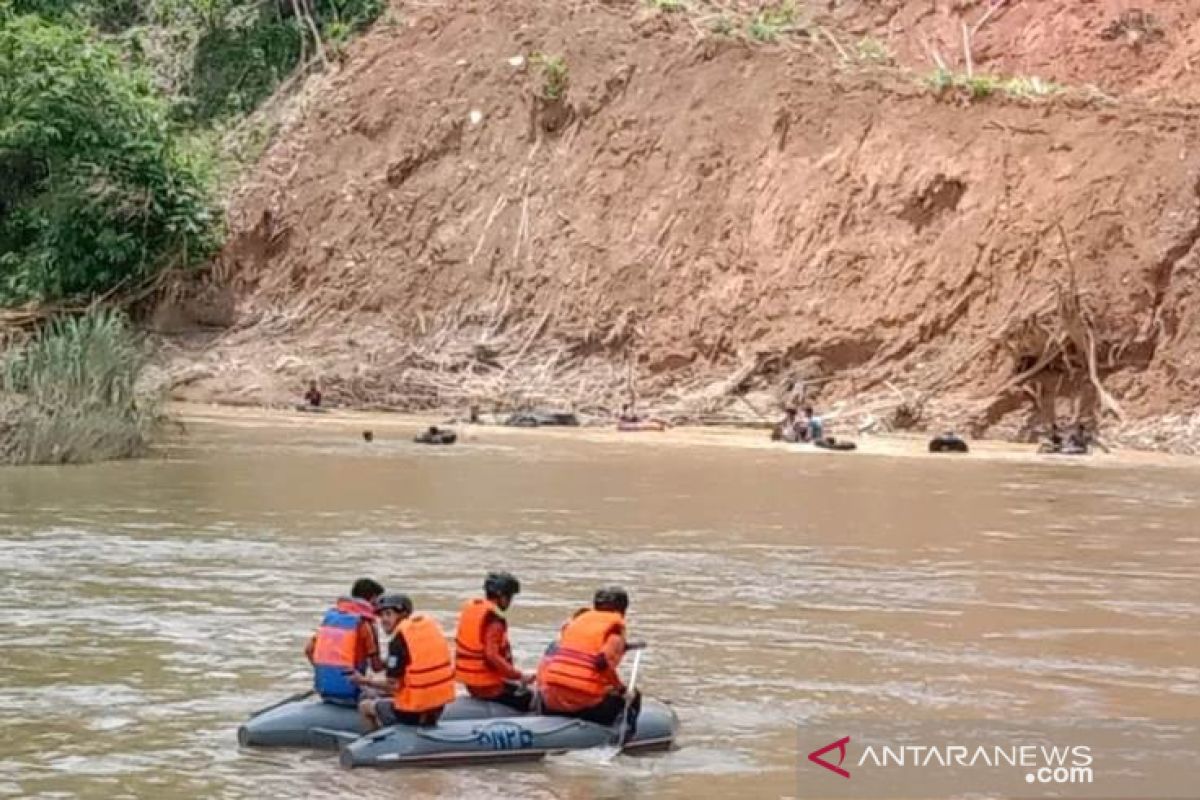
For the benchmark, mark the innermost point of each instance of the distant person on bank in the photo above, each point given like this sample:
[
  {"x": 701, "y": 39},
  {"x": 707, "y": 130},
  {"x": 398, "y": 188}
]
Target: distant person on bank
[
  {"x": 812, "y": 427},
  {"x": 787, "y": 429},
  {"x": 313, "y": 395}
]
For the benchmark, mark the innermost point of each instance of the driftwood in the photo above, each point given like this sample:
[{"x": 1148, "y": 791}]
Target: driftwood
[{"x": 1082, "y": 333}]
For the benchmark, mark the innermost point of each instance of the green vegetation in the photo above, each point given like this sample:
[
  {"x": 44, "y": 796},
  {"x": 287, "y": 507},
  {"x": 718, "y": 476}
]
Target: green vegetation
[
  {"x": 870, "y": 50},
  {"x": 555, "y": 73},
  {"x": 116, "y": 119},
  {"x": 667, "y": 5},
  {"x": 979, "y": 87},
  {"x": 94, "y": 191},
  {"x": 111, "y": 117},
  {"x": 721, "y": 25},
  {"x": 72, "y": 394},
  {"x": 770, "y": 22}
]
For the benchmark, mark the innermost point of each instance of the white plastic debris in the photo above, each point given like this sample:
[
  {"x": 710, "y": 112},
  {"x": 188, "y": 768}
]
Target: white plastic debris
[
  {"x": 517, "y": 62},
  {"x": 476, "y": 116}
]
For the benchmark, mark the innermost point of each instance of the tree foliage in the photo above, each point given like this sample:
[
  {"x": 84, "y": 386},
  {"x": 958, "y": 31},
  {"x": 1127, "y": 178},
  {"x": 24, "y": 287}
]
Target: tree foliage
[
  {"x": 98, "y": 97},
  {"x": 94, "y": 191}
]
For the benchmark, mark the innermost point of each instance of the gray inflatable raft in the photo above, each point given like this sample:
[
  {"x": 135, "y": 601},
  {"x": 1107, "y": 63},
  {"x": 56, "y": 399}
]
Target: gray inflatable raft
[
  {"x": 514, "y": 738},
  {"x": 314, "y": 723},
  {"x": 470, "y": 730}
]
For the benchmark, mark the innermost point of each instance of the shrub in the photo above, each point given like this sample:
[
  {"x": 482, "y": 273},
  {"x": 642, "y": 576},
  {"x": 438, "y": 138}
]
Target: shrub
[
  {"x": 870, "y": 50},
  {"x": 556, "y": 75},
  {"x": 95, "y": 192},
  {"x": 73, "y": 395},
  {"x": 721, "y": 25},
  {"x": 979, "y": 87},
  {"x": 772, "y": 21}
]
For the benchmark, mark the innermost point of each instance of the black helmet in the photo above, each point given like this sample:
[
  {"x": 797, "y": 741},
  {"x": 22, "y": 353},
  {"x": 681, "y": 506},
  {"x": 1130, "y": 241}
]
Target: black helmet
[
  {"x": 611, "y": 598},
  {"x": 501, "y": 583},
  {"x": 396, "y": 602}
]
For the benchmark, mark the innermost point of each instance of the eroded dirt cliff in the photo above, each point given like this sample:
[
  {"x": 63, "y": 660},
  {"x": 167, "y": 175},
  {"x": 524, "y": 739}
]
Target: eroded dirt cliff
[{"x": 707, "y": 220}]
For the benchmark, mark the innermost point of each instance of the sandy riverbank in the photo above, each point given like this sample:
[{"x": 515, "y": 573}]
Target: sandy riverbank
[{"x": 392, "y": 426}]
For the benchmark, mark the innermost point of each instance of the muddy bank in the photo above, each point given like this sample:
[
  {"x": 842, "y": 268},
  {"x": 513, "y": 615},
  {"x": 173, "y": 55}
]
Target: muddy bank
[
  {"x": 700, "y": 218},
  {"x": 392, "y": 430}
]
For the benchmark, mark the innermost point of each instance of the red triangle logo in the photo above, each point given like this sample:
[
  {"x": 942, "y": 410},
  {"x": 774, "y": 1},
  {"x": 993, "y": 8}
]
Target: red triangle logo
[{"x": 840, "y": 746}]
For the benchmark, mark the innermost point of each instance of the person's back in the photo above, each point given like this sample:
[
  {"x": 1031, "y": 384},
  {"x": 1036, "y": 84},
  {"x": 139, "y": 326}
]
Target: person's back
[
  {"x": 578, "y": 675},
  {"x": 1079, "y": 441},
  {"x": 814, "y": 426},
  {"x": 313, "y": 395},
  {"x": 786, "y": 430},
  {"x": 483, "y": 660},
  {"x": 346, "y": 641}
]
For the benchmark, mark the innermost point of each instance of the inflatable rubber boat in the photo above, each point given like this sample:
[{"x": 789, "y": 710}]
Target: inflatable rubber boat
[
  {"x": 948, "y": 443},
  {"x": 539, "y": 419},
  {"x": 470, "y": 731},
  {"x": 830, "y": 443},
  {"x": 641, "y": 425},
  {"x": 311, "y": 722},
  {"x": 436, "y": 436},
  {"x": 523, "y": 737}
]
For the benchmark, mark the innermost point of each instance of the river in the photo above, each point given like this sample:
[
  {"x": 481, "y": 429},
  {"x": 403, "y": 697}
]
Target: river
[{"x": 147, "y": 607}]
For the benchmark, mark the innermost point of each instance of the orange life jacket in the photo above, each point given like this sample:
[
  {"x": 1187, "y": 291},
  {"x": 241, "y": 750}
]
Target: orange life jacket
[
  {"x": 335, "y": 651},
  {"x": 574, "y": 662},
  {"x": 471, "y": 668},
  {"x": 429, "y": 678}
]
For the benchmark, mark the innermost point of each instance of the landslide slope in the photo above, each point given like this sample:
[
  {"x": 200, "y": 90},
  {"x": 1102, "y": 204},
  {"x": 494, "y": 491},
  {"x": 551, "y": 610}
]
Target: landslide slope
[{"x": 705, "y": 215}]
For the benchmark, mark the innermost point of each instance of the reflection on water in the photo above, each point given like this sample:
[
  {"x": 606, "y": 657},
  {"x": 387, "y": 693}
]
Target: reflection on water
[{"x": 147, "y": 607}]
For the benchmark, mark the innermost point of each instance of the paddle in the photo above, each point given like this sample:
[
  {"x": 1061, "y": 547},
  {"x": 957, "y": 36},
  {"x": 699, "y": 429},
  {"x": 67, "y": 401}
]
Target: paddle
[
  {"x": 293, "y": 699},
  {"x": 629, "y": 693},
  {"x": 612, "y": 751}
]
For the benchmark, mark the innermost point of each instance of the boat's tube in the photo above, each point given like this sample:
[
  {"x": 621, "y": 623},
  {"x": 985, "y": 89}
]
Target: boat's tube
[
  {"x": 315, "y": 723},
  {"x": 436, "y": 436},
  {"x": 833, "y": 444},
  {"x": 513, "y": 738},
  {"x": 640, "y": 426},
  {"x": 470, "y": 729},
  {"x": 538, "y": 419},
  {"x": 948, "y": 443}
]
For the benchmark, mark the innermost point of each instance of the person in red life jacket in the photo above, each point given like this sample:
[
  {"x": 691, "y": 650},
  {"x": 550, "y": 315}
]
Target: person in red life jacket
[
  {"x": 578, "y": 675},
  {"x": 420, "y": 677},
  {"x": 483, "y": 659},
  {"x": 346, "y": 642},
  {"x": 313, "y": 395}
]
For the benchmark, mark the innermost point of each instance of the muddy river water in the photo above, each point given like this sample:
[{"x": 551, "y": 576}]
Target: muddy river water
[{"x": 146, "y": 607}]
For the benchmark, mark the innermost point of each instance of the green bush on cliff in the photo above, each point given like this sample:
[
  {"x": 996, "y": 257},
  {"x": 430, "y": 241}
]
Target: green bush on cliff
[
  {"x": 214, "y": 58},
  {"x": 110, "y": 111},
  {"x": 94, "y": 190},
  {"x": 73, "y": 393}
]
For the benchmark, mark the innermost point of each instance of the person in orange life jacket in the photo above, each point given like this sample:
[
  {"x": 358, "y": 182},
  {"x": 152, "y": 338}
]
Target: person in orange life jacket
[
  {"x": 419, "y": 675},
  {"x": 578, "y": 675},
  {"x": 483, "y": 659},
  {"x": 345, "y": 642}
]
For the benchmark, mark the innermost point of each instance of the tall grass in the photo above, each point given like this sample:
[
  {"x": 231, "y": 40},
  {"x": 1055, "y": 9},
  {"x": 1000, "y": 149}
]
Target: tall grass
[{"x": 71, "y": 394}]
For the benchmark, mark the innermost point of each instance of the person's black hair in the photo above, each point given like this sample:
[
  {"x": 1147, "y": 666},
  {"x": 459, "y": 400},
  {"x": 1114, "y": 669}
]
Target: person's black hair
[{"x": 366, "y": 589}]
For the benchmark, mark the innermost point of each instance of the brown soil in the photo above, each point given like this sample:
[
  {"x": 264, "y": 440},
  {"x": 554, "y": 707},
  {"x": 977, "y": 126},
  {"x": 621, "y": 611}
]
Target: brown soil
[{"x": 704, "y": 216}]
